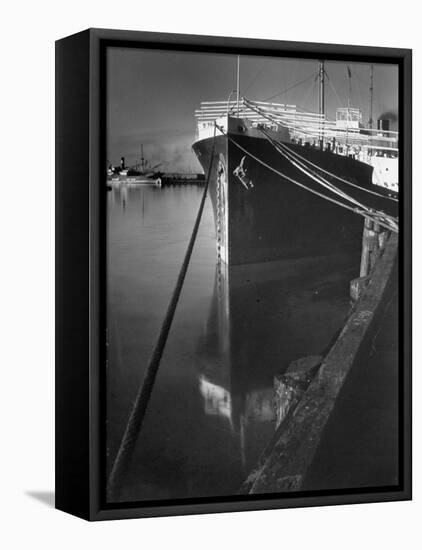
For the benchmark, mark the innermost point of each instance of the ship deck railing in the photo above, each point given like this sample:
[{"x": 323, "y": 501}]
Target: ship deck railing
[{"x": 301, "y": 124}]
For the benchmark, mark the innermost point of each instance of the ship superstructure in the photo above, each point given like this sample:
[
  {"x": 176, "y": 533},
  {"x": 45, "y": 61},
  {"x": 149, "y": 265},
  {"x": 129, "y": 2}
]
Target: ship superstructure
[
  {"x": 287, "y": 182},
  {"x": 344, "y": 136}
]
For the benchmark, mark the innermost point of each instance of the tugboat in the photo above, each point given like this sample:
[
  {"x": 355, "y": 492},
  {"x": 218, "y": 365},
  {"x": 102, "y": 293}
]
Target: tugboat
[{"x": 288, "y": 183}]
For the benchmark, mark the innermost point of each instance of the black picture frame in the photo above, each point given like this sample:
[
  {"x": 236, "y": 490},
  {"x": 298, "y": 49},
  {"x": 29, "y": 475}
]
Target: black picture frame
[{"x": 80, "y": 271}]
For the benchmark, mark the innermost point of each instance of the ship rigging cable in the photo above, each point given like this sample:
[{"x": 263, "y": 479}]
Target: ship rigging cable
[
  {"x": 367, "y": 213},
  {"x": 137, "y": 414},
  {"x": 264, "y": 114},
  {"x": 290, "y": 87},
  {"x": 340, "y": 102}
]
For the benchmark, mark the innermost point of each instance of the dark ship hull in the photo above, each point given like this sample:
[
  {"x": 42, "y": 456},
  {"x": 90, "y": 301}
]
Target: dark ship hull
[{"x": 275, "y": 218}]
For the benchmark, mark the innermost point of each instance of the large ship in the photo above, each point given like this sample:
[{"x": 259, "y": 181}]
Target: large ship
[{"x": 288, "y": 183}]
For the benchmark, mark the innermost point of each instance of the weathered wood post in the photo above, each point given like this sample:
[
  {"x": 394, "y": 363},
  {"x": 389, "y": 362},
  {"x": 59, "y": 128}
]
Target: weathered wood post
[
  {"x": 370, "y": 246},
  {"x": 383, "y": 236},
  {"x": 290, "y": 386},
  {"x": 373, "y": 242}
]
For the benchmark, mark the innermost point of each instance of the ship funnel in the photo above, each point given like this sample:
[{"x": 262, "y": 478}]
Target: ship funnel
[
  {"x": 383, "y": 124},
  {"x": 122, "y": 163}
]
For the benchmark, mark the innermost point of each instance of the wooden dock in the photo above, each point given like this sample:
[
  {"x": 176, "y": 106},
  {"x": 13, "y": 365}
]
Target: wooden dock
[{"x": 301, "y": 436}]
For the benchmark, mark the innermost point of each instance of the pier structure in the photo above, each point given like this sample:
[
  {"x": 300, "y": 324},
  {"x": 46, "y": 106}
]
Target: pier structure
[{"x": 335, "y": 412}]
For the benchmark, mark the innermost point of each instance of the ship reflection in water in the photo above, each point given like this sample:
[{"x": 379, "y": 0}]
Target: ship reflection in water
[{"x": 211, "y": 413}]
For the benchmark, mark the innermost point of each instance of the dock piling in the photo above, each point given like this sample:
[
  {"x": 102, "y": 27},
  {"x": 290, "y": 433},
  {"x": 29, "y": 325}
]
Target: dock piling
[
  {"x": 370, "y": 246},
  {"x": 291, "y": 385},
  {"x": 374, "y": 240}
]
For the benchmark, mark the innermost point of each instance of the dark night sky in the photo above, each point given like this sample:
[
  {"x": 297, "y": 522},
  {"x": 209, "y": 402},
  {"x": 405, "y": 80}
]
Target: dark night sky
[{"x": 152, "y": 96}]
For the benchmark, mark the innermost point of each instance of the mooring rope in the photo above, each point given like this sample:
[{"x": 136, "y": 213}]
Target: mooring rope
[
  {"x": 140, "y": 405},
  {"x": 322, "y": 181},
  {"x": 264, "y": 114},
  {"x": 308, "y": 172},
  {"x": 363, "y": 213},
  {"x": 331, "y": 174}
]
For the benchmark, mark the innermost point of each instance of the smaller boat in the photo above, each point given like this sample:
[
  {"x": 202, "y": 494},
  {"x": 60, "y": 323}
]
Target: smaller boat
[{"x": 138, "y": 174}]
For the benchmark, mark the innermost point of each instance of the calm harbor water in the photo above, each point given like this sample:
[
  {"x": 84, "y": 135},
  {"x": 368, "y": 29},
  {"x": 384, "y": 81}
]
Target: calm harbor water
[{"x": 211, "y": 412}]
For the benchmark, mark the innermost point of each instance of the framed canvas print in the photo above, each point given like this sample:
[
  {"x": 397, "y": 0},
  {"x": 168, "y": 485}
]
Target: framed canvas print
[{"x": 233, "y": 274}]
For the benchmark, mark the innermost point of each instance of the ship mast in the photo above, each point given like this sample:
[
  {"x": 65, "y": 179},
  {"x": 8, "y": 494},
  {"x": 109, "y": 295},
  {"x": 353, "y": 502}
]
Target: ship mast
[
  {"x": 371, "y": 96},
  {"x": 142, "y": 159},
  {"x": 238, "y": 84},
  {"x": 321, "y": 102},
  {"x": 349, "y": 100}
]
